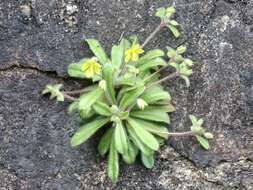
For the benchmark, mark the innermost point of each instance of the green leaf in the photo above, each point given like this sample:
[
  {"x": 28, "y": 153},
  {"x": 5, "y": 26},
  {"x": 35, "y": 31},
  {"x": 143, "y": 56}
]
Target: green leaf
[
  {"x": 97, "y": 50},
  {"x": 113, "y": 163},
  {"x": 162, "y": 106},
  {"x": 203, "y": 142},
  {"x": 160, "y": 12},
  {"x": 170, "y": 11},
  {"x": 108, "y": 76},
  {"x": 167, "y": 108},
  {"x": 88, "y": 99},
  {"x": 174, "y": 30},
  {"x": 148, "y": 160},
  {"x": 105, "y": 142},
  {"x": 185, "y": 70},
  {"x": 171, "y": 52},
  {"x": 178, "y": 58},
  {"x": 155, "y": 94},
  {"x": 149, "y": 56},
  {"x": 147, "y": 138},
  {"x": 73, "y": 107},
  {"x": 193, "y": 119},
  {"x": 130, "y": 155},
  {"x": 131, "y": 96},
  {"x": 153, "y": 128},
  {"x": 152, "y": 63},
  {"x": 117, "y": 56},
  {"x": 124, "y": 44},
  {"x": 123, "y": 115},
  {"x": 55, "y": 92},
  {"x": 134, "y": 39},
  {"x": 150, "y": 113},
  {"x": 87, "y": 130},
  {"x": 86, "y": 113},
  {"x": 136, "y": 140},
  {"x": 200, "y": 122},
  {"x": 197, "y": 130},
  {"x": 174, "y": 23},
  {"x": 75, "y": 69},
  {"x": 101, "y": 108},
  {"x": 128, "y": 79},
  {"x": 120, "y": 138}
]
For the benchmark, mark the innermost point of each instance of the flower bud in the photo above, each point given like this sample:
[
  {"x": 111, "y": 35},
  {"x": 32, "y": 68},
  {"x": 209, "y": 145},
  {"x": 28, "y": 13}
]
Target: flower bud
[
  {"x": 102, "y": 84},
  {"x": 208, "y": 135},
  {"x": 141, "y": 103},
  {"x": 181, "y": 49},
  {"x": 114, "y": 109},
  {"x": 188, "y": 62}
]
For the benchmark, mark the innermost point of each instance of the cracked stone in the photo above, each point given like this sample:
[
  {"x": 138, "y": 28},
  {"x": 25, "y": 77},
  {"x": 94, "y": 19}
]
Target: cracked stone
[{"x": 34, "y": 150}]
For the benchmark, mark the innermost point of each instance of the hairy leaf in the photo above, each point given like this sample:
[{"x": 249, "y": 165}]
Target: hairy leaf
[
  {"x": 97, "y": 50},
  {"x": 55, "y": 92},
  {"x": 117, "y": 56},
  {"x": 148, "y": 160},
  {"x": 174, "y": 30},
  {"x": 154, "y": 94},
  {"x": 147, "y": 138},
  {"x": 151, "y": 114},
  {"x": 136, "y": 140},
  {"x": 108, "y": 76},
  {"x": 87, "y": 130},
  {"x": 203, "y": 142},
  {"x": 73, "y": 107},
  {"x": 131, "y": 96},
  {"x": 101, "y": 108},
  {"x": 152, "y": 64},
  {"x": 149, "y": 56},
  {"x": 105, "y": 142},
  {"x": 120, "y": 137},
  {"x": 161, "y": 12},
  {"x": 154, "y": 128},
  {"x": 130, "y": 155},
  {"x": 88, "y": 99},
  {"x": 113, "y": 163}
]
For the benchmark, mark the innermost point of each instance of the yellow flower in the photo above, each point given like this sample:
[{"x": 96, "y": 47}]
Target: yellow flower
[
  {"x": 91, "y": 67},
  {"x": 132, "y": 54}
]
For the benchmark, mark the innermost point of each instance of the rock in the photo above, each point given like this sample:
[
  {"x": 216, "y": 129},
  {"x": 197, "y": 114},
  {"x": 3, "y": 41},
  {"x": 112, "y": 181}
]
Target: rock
[{"x": 37, "y": 44}]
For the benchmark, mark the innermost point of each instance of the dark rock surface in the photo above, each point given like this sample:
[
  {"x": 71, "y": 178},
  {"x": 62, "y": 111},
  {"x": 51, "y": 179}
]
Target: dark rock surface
[{"x": 44, "y": 36}]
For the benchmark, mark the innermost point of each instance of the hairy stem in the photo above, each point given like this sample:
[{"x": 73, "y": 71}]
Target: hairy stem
[
  {"x": 157, "y": 29},
  {"x": 177, "y": 134},
  {"x": 158, "y": 71},
  {"x": 180, "y": 134},
  {"x": 169, "y": 77},
  {"x": 68, "y": 97},
  {"x": 74, "y": 92}
]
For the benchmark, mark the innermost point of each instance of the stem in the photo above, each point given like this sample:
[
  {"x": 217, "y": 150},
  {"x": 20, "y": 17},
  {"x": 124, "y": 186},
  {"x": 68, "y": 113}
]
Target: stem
[
  {"x": 153, "y": 74},
  {"x": 68, "y": 97},
  {"x": 180, "y": 134},
  {"x": 74, "y": 92},
  {"x": 157, "y": 29},
  {"x": 176, "y": 134},
  {"x": 171, "y": 76}
]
